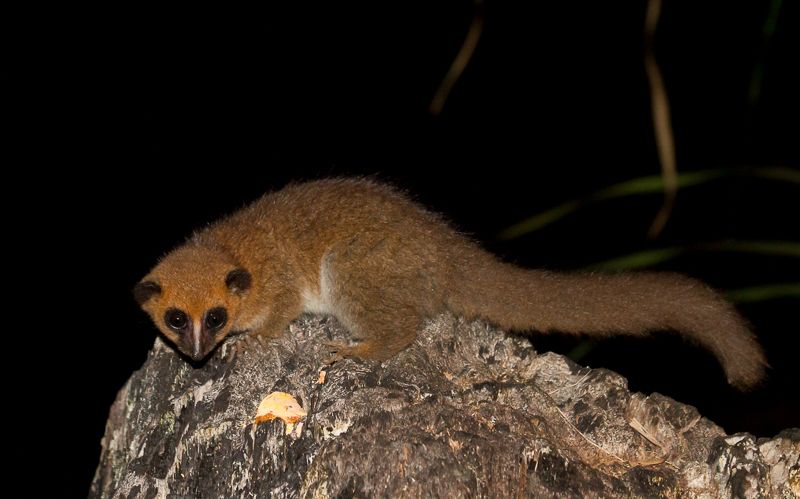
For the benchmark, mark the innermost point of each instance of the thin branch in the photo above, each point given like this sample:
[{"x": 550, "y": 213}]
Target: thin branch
[
  {"x": 460, "y": 62},
  {"x": 665, "y": 140}
]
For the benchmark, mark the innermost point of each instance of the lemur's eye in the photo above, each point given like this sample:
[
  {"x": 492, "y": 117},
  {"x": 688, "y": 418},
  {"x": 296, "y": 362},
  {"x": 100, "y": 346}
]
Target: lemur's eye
[
  {"x": 216, "y": 318},
  {"x": 176, "y": 319}
]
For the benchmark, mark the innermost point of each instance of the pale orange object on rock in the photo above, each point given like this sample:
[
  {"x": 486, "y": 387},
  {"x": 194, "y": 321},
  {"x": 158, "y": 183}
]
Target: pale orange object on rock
[{"x": 280, "y": 405}]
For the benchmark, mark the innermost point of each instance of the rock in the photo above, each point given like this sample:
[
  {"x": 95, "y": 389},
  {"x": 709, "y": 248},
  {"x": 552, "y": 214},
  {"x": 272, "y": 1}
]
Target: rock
[{"x": 467, "y": 410}]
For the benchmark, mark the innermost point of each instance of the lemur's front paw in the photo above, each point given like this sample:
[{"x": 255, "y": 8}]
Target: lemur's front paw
[
  {"x": 239, "y": 345},
  {"x": 337, "y": 351},
  {"x": 340, "y": 350}
]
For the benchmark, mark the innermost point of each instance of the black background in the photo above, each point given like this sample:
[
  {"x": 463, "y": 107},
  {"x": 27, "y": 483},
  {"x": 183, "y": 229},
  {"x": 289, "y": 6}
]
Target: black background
[{"x": 130, "y": 127}]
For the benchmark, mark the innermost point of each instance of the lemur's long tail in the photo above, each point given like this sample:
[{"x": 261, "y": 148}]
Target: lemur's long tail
[{"x": 603, "y": 305}]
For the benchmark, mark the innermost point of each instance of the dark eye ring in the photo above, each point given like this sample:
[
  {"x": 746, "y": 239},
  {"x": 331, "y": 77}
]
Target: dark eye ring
[
  {"x": 176, "y": 319},
  {"x": 216, "y": 318}
]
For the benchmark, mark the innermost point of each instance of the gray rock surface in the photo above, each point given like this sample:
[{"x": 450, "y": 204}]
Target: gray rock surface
[{"x": 466, "y": 411}]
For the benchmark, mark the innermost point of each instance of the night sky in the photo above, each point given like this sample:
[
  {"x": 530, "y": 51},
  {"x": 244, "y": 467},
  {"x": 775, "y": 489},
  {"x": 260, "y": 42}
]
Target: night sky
[{"x": 134, "y": 126}]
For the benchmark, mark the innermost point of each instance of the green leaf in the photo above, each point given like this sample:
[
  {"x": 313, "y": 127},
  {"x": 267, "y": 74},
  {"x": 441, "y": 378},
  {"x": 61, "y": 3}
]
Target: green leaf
[
  {"x": 764, "y": 292},
  {"x": 650, "y": 258},
  {"x": 775, "y": 248},
  {"x": 642, "y": 259},
  {"x": 540, "y": 220},
  {"x": 655, "y": 184},
  {"x": 581, "y": 350},
  {"x": 779, "y": 173},
  {"x": 651, "y": 184}
]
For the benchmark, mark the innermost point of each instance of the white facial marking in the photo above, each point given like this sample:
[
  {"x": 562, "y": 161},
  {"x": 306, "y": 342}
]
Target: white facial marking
[{"x": 196, "y": 331}]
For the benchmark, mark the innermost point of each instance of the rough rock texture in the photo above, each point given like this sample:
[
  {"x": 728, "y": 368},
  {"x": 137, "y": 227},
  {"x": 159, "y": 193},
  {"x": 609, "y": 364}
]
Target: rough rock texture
[{"x": 467, "y": 411}]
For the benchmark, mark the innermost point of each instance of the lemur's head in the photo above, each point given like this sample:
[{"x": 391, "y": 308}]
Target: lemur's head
[{"x": 194, "y": 296}]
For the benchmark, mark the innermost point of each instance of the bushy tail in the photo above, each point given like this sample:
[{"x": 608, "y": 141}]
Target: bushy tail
[{"x": 603, "y": 305}]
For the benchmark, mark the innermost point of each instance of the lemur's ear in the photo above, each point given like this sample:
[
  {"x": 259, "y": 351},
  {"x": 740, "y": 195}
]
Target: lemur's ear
[
  {"x": 145, "y": 290},
  {"x": 238, "y": 280}
]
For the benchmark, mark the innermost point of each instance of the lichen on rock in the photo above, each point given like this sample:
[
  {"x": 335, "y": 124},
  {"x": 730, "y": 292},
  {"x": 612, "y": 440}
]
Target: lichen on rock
[{"x": 467, "y": 410}]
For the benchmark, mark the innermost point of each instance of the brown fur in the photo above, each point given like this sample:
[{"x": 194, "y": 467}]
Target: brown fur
[{"x": 381, "y": 264}]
